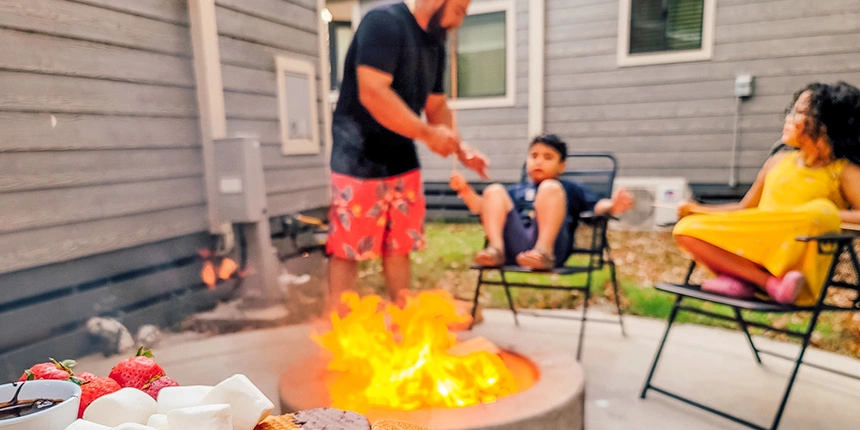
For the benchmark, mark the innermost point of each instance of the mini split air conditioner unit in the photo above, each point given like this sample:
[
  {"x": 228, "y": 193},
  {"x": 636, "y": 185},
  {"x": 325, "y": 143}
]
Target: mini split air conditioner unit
[{"x": 655, "y": 201}]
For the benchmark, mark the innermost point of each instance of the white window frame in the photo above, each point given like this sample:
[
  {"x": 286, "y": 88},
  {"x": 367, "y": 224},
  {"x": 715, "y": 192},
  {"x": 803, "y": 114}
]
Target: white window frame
[
  {"x": 284, "y": 64},
  {"x": 509, "y": 99},
  {"x": 706, "y": 52}
]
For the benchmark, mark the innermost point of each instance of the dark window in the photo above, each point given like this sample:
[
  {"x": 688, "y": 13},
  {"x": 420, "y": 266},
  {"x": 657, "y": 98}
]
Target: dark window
[
  {"x": 665, "y": 25},
  {"x": 339, "y": 36}
]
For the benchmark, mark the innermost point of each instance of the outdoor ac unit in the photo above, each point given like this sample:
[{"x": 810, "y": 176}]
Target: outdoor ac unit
[{"x": 655, "y": 200}]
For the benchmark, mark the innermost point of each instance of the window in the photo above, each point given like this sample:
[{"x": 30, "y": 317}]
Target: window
[
  {"x": 297, "y": 106},
  {"x": 665, "y": 31},
  {"x": 340, "y": 36},
  {"x": 481, "y": 60}
]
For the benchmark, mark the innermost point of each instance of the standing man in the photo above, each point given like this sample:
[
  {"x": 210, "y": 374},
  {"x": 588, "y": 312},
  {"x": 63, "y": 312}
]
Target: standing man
[{"x": 394, "y": 70}]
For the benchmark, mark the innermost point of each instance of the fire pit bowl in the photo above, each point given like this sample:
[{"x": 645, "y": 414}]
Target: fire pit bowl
[{"x": 554, "y": 399}]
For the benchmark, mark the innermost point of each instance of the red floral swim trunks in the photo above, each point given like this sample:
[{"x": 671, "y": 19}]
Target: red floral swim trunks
[{"x": 370, "y": 218}]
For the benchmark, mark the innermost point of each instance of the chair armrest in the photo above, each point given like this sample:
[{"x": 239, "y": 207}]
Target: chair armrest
[
  {"x": 591, "y": 216},
  {"x": 829, "y": 238}
]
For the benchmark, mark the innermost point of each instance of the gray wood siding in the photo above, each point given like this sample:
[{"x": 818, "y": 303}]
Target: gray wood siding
[
  {"x": 677, "y": 119},
  {"x": 251, "y": 33},
  {"x": 100, "y": 148}
]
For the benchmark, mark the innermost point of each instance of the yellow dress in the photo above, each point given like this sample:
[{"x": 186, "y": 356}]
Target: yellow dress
[{"x": 796, "y": 201}]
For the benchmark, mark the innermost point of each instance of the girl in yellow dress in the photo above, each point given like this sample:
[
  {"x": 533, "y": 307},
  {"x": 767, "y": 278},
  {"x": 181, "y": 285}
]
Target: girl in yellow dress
[{"x": 810, "y": 191}]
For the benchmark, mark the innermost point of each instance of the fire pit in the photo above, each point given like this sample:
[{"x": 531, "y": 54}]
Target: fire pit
[{"x": 543, "y": 389}]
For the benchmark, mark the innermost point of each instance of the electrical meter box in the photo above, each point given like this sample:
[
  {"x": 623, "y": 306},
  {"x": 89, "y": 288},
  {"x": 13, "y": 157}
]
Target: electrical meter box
[
  {"x": 239, "y": 180},
  {"x": 744, "y": 85}
]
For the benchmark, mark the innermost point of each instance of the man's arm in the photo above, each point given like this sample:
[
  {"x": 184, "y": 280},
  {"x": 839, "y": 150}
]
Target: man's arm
[{"x": 438, "y": 112}]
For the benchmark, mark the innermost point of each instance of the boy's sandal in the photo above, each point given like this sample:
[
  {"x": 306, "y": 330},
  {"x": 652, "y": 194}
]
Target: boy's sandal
[
  {"x": 537, "y": 259},
  {"x": 490, "y": 256}
]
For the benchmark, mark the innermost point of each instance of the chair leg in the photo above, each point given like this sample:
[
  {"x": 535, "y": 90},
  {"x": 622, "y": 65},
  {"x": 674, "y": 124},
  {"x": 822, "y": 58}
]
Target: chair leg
[
  {"x": 746, "y": 330},
  {"x": 510, "y": 299},
  {"x": 806, "y": 339},
  {"x": 672, "y": 316},
  {"x": 582, "y": 325},
  {"x": 617, "y": 297},
  {"x": 477, "y": 296}
]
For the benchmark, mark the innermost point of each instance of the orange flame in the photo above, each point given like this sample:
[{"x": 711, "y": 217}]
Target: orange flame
[
  {"x": 408, "y": 366},
  {"x": 228, "y": 266},
  {"x": 208, "y": 274}
]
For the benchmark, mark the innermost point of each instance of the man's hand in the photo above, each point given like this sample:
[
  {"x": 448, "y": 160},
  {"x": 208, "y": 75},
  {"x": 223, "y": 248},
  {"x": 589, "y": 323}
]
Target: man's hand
[
  {"x": 458, "y": 183},
  {"x": 441, "y": 140},
  {"x": 474, "y": 160},
  {"x": 622, "y": 202}
]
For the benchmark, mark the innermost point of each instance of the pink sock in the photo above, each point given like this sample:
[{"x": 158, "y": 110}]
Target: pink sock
[{"x": 786, "y": 289}]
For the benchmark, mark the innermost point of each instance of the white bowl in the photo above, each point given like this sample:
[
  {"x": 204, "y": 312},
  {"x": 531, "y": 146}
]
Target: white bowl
[{"x": 54, "y": 418}]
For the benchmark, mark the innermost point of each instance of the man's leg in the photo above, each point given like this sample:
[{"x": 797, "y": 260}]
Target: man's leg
[
  {"x": 494, "y": 213},
  {"x": 398, "y": 275},
  {"x": 342, "y": 276}
]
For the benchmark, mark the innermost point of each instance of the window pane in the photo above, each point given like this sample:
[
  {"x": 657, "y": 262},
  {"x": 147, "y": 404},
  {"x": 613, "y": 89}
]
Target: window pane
[
  {"x": 665, "y": 25},
  {"x": 340, "y": 36},
  {"x": 481, "y": 56},
  {"x": 299, "y": 106}
]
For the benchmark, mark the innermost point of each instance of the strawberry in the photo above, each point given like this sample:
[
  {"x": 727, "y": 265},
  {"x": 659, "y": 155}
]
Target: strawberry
[
  {"x": 137, "y": 371},
  {"x": 50, "y": 370},
  {"x": 92, "y": 390},
  {"x": 155, "y": 387},
  {"x": 87, "y": 376}
]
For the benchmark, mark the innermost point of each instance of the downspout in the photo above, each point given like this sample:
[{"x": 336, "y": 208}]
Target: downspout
[
  {"x": 210, "y": 97},
  {"x": 537, "y": 52}
]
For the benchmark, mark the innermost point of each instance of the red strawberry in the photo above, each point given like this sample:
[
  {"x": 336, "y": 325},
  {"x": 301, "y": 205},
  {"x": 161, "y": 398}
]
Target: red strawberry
[
  {"x": 156, "y": 386},
  {"x": 51, "y": 370},
  {"x": 137, "y": 371},
  {"x": 92, "y": 390},
  {"x": 87, "y": 376}
]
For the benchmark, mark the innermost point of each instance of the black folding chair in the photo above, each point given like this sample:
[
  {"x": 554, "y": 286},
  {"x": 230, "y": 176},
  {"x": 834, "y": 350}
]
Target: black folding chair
[
  {"x": 595, "y": 171},
  {"x": 840, "y": 246}
]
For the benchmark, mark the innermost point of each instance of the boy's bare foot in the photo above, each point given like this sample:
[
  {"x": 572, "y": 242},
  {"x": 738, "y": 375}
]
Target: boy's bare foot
[
  {"x": 536, "y": 259},
  {"x": 490, "y": 256}
]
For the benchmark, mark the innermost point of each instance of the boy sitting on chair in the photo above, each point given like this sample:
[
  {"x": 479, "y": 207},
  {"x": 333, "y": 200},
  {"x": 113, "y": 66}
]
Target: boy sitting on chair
[{"x": 533, "y": 224}]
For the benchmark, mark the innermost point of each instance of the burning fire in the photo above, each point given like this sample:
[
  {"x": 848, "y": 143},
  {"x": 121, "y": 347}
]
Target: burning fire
[{"x": 401, "y": 358}]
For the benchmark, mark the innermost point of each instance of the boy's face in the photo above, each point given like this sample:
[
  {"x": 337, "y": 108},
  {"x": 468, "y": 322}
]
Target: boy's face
[{"x": 543, "y": 162}]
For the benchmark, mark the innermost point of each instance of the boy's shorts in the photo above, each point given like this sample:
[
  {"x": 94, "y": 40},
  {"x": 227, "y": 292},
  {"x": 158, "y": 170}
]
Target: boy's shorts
[
  {"x": 520, "y": 238},
  {"x": 370, "y": 218}
]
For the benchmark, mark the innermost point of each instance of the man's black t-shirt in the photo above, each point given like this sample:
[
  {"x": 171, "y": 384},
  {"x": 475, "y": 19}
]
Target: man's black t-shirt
[{"x": 388, "y": 39}]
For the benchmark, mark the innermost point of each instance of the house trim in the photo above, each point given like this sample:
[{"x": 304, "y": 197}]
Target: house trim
[
  {"x": 509, "y": 99},
  {"x": 537, "y": 52},
  {"x": 210, "y": 95},
  {"x": 706, "y": 52}
]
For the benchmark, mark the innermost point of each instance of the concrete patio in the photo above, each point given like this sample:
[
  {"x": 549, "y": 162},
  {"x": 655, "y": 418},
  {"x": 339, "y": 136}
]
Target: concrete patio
[{"x": 714, "y": 366}]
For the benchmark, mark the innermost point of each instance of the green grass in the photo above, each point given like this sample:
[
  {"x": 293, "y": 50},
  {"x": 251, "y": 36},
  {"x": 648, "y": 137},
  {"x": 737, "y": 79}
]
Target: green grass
[{"x": 445, "y": 264}]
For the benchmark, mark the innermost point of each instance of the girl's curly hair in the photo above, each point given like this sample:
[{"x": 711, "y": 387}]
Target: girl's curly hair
[{"x": 834, "y": 110}]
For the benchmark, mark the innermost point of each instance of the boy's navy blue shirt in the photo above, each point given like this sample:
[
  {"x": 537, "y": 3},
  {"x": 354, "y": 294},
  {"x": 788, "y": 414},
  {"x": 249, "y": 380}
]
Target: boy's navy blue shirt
[
  {"x": 388, "y": 39},
  {"x": 579, "y": 199}
]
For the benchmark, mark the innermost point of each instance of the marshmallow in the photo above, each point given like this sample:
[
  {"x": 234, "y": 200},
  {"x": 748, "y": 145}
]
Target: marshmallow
[
  {"x": 86, "y": 425},
  {"x": 128, "y": 405},
  {"x": 133, "y": 426},
  {"x": 158, "y": 421},
  {"x": 208, "y": 417},
  {"x": 250, "y": 405},
  {"x": 170, "y": 398}
]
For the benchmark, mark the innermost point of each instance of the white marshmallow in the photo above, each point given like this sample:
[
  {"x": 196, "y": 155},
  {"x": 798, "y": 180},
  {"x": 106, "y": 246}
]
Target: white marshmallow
[
  {"x": 250, "y": 405},
  {"x": 207, "y": 417},
  {"x": 128, "y": 405},
  {"x": 170, "y": 398},
  {"x": 86, "y": 425},
  {"x": 133, "y": 426},
  {"x": 158, "y": 421}
]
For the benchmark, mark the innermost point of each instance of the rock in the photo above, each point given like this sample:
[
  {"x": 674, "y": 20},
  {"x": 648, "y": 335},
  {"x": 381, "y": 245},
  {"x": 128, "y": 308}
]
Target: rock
[{"x": 111, "y": 336}]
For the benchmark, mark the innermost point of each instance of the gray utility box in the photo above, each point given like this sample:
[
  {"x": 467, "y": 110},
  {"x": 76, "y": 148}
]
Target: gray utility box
[{"x": 239, "y": 178}]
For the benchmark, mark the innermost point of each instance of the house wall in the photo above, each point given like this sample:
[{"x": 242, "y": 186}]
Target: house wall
[
  {"x": 678, "y": 119},
  {"x": 251, "y": 33},
  {"x": 102, "y": 196}
]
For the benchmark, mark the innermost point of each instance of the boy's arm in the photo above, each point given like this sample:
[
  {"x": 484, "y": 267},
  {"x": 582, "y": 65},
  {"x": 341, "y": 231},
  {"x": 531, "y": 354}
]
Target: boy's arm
[{"x": 614, "y": 206}]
